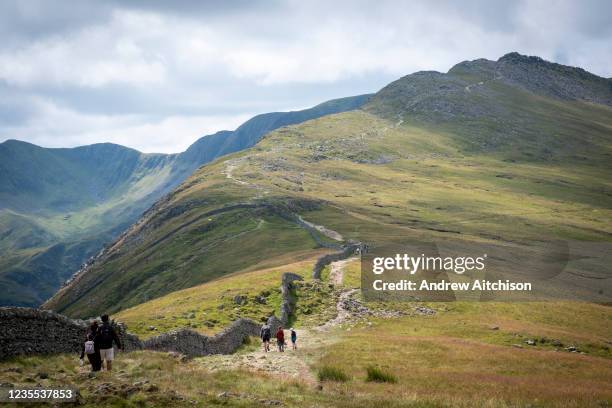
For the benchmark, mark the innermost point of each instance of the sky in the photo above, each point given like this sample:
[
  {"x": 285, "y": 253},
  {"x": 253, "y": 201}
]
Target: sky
[{"x": 156, "y": 75}]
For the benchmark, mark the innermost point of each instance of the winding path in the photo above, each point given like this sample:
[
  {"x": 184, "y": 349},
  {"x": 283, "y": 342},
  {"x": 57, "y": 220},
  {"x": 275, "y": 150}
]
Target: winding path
[{"x": 293, "y": 364}]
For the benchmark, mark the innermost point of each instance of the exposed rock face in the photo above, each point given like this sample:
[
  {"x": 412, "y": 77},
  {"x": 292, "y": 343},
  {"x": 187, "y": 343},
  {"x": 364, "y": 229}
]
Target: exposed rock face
[
  {"x": 25, "y": 331},
  {"x": 466, "y": 91},
  {"x": 538, "y": 76},
  {"x": 193, "y": 344},
  {"x": 555, "y": 80}
]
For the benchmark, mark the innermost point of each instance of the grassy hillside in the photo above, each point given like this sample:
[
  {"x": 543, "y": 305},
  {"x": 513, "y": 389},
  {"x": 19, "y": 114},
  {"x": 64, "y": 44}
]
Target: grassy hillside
[
  {"x": 63, "y": 205},
  {"x": 210, "y": 307},
  {"x": 472, "y": 375},
  {"x": 250, "y": 132},
  {"x": 455, "y": 359},
  {"x": 466, "y": 355},
  {"x": 430, "y": 157}
]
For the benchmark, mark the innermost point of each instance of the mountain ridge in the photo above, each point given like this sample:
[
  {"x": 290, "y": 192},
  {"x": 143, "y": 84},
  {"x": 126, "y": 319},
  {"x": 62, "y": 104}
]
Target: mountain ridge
[
  {"x": 426, "y": 153},
  {"x": 62, "y": 204}
]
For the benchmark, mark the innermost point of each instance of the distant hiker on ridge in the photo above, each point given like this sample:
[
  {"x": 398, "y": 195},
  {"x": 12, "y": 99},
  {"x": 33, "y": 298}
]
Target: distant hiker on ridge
[
  {"x": 91, "y": 348},
  {"x": 280, "y": 339},
  {"x": 265, "y": 333},
  {"x": 106, "y": 336}
]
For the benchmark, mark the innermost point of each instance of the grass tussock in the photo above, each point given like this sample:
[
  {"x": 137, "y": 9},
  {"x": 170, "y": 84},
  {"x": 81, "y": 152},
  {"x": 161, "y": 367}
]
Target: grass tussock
[
  {"x": 375, "y": 374},
  {"x": 329, "y": 373}
]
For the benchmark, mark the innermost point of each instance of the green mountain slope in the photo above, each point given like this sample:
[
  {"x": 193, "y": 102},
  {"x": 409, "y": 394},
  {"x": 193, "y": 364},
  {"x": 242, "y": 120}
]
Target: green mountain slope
[
  {"x": 208, "y": 148},
  {"x": 479, "y": 154},
  {"x": 58, "y": 207}
]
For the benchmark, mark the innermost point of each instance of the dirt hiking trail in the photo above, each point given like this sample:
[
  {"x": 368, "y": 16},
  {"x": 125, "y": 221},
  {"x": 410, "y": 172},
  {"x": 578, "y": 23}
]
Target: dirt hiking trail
[{"x": 291, "y": 363}]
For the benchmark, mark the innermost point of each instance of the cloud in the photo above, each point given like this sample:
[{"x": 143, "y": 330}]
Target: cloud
[
  {"x": 80, "y": 72},
  {"x": 55, "y": 126},
  {"x": 92, "y": 57}
]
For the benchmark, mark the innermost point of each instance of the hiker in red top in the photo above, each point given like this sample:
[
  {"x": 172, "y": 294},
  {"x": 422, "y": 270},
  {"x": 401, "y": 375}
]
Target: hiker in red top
[{"x": 280, "y": 339}]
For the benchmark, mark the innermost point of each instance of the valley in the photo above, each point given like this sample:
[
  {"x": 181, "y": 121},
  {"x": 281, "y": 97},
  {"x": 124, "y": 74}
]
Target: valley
[{"x": 59, "y": 207}]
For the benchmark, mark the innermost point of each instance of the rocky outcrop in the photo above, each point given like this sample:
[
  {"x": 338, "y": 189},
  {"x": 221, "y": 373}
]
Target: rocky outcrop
[
  {"x": 26, "y": 331},
  {"x": 193, "y": 344},
  {"x": 554, "y": 80},
  {"x": 538, "y": 76},
  {"x": 467, "y": 92}
]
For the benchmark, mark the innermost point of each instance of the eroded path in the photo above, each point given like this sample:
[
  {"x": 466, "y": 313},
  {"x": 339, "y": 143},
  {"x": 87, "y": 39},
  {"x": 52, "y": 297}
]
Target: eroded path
[
  {"x": 336, "y": 276},
  {"x": 311, "y": 341},
  {"x": 344, "y": 314}
]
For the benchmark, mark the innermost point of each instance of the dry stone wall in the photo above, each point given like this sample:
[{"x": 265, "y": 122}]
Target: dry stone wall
[
  {"x": 192, "y": 344},
  {"x": 26, "y": 331},
  {"x": 288, "y": 298}
]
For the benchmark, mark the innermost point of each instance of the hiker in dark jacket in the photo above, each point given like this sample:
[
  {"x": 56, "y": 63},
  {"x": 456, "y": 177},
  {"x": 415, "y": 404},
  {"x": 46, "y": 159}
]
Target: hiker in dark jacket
[
  {"x": 90, "y": 347},
  {"x": 265, "y": 333},
  {"x": 105, "y": 338}
]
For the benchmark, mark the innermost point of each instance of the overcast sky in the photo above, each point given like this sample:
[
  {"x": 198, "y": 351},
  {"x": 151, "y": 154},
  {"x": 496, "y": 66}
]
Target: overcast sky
[{"x": 156, "y": 75}]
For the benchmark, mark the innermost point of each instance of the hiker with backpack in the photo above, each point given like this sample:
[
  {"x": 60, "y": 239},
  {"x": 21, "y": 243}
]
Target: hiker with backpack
[
  {"x": 105, "y": 338},
  {"x": 90, "y": 348},
  {"x": 280, "y": 339},
  {"x": 265, "y": 333},
  {"x": 293, "y": 338}
]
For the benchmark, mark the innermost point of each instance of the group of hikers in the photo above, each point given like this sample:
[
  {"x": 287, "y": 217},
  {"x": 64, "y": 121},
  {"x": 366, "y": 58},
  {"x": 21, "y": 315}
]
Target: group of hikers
[
  {"x": 99, "y": 339},
  {"x": 266, "y": 334},
  {"x": 98, "y": 345}
]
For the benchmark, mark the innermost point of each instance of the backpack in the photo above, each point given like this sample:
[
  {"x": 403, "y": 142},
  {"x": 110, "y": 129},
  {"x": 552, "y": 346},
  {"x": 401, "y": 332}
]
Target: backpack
[
  {"x": 266, "y": 332},
  {"x": 106, "y": 333},
  {"x": 89, "y": 347}
]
